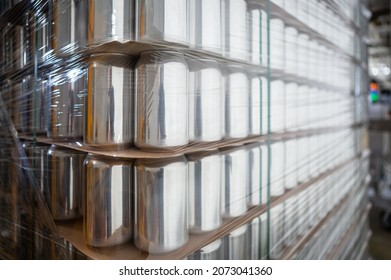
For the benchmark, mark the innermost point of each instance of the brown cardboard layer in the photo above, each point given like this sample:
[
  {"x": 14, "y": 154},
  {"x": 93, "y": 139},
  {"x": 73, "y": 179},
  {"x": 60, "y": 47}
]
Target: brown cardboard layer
[
  {"x": 192, "y": 147},
  {"x": 73, "y": 231},
  {"x": 289, "y": 252}
]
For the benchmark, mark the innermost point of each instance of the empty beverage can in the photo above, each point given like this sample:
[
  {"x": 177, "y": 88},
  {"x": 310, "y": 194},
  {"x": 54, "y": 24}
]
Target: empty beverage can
[
  {"x": 110, "y": 100},
  {"x": 254, "y": 8},
  {"x": 256, "y": 193},
  {"x": 234, "y": 26},
  {"x": 109, "y": 200},
  {"x": 234, "y": 244},
  {"x": 205, "y": 14},
  {"x": 256, "y": 98},
  {"x": 204, "y": 191},
  {"x": 161, "y": 203},
  {"x": 212, "y": 251},
  {"x": 68, "y": 91},
  {"x": 69, "y": 25},
  {"x": 111, "y": 20},
  {"x": 236, "y": 102},
  {"x": 65, "y": 187},
  {"x": 161, "y": 100},
  {"x": 234, "y": 180},
  {"x": 205, "y": 96},
  {"x": 162, "y": 21}
]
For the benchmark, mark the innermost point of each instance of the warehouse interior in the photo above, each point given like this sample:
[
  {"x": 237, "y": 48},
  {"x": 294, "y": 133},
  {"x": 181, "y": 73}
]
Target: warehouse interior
[{"x": 195, "y": 129}]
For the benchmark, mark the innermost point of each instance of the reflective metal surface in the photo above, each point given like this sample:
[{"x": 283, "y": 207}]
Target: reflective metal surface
[
  {"x": 161, "y": 100},
  {"x": 234, "y": 244},
  {"x": 111, "y": 20},
  {"x": 66, "y": 183},
  {"x": 236, "y": 102},
  {"x": 203, "y": 15},
  {"x": 161, "y": 204},
  {"x": 276, "y": 231},
  {"x": 212, "y": 251},
  {"x": 255, "y": 31},
  {"x": 205, "y": 98},
  {"x": 109, "y": 201},
  {"x": 110, "y": 101},
  {"x": 256, "y": 192},
  {"x": 70, "y": 25},
  {"x": 67, "y": 105},
  {"x": 162, "y": 21},
  {"x": 234, "y": 26},
  {"x": 255, "y": 102},
  {"x": 234, "y": 180},
  {"x": 204, "y": 191},
  {"x": 277, "y": 169}
]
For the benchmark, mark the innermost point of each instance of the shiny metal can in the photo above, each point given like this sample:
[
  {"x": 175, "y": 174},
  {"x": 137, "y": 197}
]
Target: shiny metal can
[
  {"x": 212, "y": 251},
  {"x": 254, "y": 9},
  {"x": 15, "y": 104},
  {"x": 277, "y": 169},
  {"x": 43, "y": 35},
  {"x": 111, "y": 20},
  {"x": 37, "y": 155},
  {"x": 256, "y": 193},
  {"x": 36, "y": 93},
  {"x": 108, "y": 219},
  {"x": 65, "y": 187},
  {"x": 161, "y": 100},
  {"x": 234, "y": 244},
  {"x": 160, "y": 187},
  {"x": 236, "y": 102},
  {"x": 162, "y": 21},
  {"x": 67, "y": 99},
  {"x": 205, "y": 96},
  {"x": 234, "y": 26},
  {"x": 204, "y": 191},
  {"x": 276, "y": 231},
  {"x": 234, "y": 180},
  {"x": 70, "y": 23},
  {"x": 255, "y": 102},
  {"x": 205, "y": 25},
  {"x": 110, "y": 100}
]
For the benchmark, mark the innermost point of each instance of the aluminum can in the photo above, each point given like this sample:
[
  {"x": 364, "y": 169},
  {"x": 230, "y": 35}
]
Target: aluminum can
[
  {"x": 163, "y": 21},
  {"x": 291, "y": 163},
  {"x": 234, "y": 244},
  {"x": 255, "y": 102},
  {"x": 205, "y": 25},
  {"x": 67, "y": 99},
  {"x": 111, "y": 20},
  {"x": 110, "y": 101},
  {"x": 212, "y": 251},
  {"x": 36, "y": 94},
  {"x": 204, "y": 191},
  {"x": 236, "y": 102},
  {"x": 108, "y": 219},
  {"x": 276, "y": 231},
  {"x": 255, "y": 31},
  {"x": 234, "y": 180},
  {"x": 161, "y": 100},
  {"x": 205, "y": 96},
  {"x": 70, "y": 25},
  {"x": 37, "y": 154},
  {"x": 256, "y": 193},
  {"x": 43, "y": 34},
  {"x": 65, "y": 188},
  {"x": 160, "y": 187},
  {"x": 277, "y": 41},
  {"x": 277, "y": 169},
  {"x": 234, "y": 26}
]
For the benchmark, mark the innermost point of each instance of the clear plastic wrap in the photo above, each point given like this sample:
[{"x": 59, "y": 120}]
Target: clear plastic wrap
[{"x": 180, "y": 129}]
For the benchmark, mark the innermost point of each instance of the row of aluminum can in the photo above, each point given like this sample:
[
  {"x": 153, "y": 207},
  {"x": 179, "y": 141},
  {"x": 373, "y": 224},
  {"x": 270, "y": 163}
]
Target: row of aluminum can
[
  {"x": 124, "y": 198},
  {"x": 218, "y": 26},
  {"x": 248, "y": 242},
  {"x": 165, "y": 102}
]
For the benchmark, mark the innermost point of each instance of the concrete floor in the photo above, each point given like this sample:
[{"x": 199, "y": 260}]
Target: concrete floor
[{"x": 380, "y": 242}]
